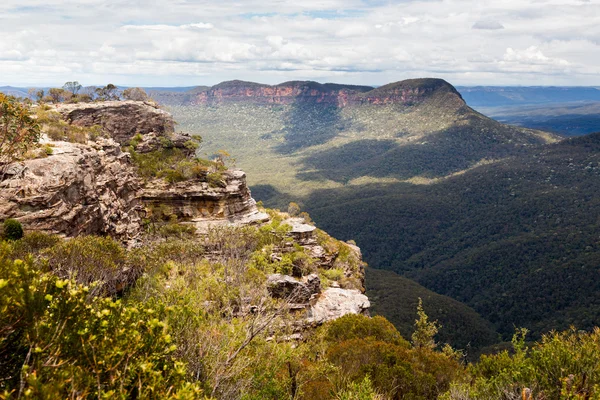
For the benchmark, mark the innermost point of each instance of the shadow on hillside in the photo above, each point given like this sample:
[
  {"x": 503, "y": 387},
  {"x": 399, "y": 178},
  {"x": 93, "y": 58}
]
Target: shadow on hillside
[
  {"x": 309, "y": 124},
  {"x": 515, "y": 240},
  {"x": 436, "y": 155},
  {"x": 271, "y": 197}
]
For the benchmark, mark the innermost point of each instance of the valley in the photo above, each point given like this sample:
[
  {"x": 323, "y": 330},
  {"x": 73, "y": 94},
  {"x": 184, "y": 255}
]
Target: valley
[{"x": 492, "y": 215}]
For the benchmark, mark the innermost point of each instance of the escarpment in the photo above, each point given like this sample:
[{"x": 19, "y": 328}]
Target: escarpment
[{"x": 407, "y": 92}]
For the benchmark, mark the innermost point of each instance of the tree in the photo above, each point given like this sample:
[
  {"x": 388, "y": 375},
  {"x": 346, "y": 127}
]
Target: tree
[
  {"x": 73, "y": 87},
  {"x": 423, "y": 337},
  {"x": 18, "y": 131},
  {"x": 38, "y": 94},
  {"x": 59, "y": 95},
  {"x": 108, "y": 92},
  {"x": 293, "y": 209},
  {"x": 135, "y": 94}
]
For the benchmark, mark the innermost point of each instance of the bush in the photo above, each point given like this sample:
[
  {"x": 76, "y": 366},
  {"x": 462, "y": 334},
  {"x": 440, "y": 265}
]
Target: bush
[
  {"x": 18, "y": 130},
  {"x": 90, "y": 259},
  {"x": 57, "y": 342},
  {"x": 13, "y": 230}
]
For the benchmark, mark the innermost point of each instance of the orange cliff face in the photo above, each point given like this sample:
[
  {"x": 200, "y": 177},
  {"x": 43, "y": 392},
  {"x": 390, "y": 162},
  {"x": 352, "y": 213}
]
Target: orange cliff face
[{"x": 405, "y": 93}]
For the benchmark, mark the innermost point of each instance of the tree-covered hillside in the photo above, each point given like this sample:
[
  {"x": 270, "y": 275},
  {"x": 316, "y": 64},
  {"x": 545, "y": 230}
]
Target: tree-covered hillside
[{"x": 517, "y": 240}]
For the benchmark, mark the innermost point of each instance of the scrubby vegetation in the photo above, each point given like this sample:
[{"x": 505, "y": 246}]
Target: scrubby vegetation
[
  {"x": 183, "y": 328},
  {"x": 58, "y": 129},
  {"x": 182, "y": 319},
  {"x": 19, "y": 132}
]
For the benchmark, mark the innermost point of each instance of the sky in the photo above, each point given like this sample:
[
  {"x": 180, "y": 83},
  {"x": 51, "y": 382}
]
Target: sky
[{"x": 199, "y": 42}]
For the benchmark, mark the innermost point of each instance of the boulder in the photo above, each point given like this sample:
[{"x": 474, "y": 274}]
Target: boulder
[
  {"x": 121, "y": 119},
  {"x": 287, "y": 288},
  {"x": 334, "y": 303}
]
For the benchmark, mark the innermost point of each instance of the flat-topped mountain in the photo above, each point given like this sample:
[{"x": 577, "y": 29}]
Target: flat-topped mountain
[{"x": 327, "y": 135}]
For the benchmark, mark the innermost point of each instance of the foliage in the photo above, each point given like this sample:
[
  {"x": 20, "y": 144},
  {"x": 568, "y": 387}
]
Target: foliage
[
  {"x": 56, "y": 342},
  {"x": 171, "y": 164},
  {"x": 18, "y": 131},
  {"x": 293, "y": 209},
  {"x": 425, "y": 331},
  {"x": 12, "y": 229},
  {"x": 396, "y": 298},
  {"x": 562, "y": 365},
  {"x": 361, "y": 347},
  {"x": 60, "y": 130},
  {"x": 515, "y": 240},
  {"x": 90, "y": 259},
  {"x": 359, "y": 391},
  {"x": 73, "y": 87},
  {"x": 108, "y": 92}
]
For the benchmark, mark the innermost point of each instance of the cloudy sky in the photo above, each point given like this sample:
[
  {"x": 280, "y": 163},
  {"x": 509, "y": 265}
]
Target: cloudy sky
[{"x": 203, "y": 42}]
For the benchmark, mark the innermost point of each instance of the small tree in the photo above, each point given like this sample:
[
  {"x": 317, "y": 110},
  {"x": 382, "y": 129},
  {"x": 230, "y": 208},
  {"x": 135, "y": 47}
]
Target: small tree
[
  {"x": 425, "y": 331},
  {"x": 73, "y": 87},
  {"x": 59, "y": 95},
  {"x": 18, "y": 131},
  {"x": 37, "y": 94},
  {"x": 135, "y": 94},
  {"x": 108, "y": 92},
  {"x": 293, "y": 209}
]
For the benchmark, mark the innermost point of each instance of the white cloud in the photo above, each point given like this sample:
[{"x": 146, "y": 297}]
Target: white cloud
[
  {"x": 489, "y": 25},
  {"x": 189, "y": 42}
]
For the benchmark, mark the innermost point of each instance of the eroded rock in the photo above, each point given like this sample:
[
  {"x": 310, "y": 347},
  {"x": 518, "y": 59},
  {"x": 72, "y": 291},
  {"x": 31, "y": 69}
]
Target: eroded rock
[
  {"x": 334, "y": 303},
  {"x": 121, "y": 119},
  {"x": 79, "y": 189}
]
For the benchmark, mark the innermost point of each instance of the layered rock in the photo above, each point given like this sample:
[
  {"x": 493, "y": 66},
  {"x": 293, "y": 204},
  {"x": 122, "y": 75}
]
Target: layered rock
[
  {"x": 406, "y": 92},
  {"x": 334, "y": 303},
  {"x": 121, "y": 119},
  {"x": 79, "y": 189},
  {"x": 203, "y": 205},
  {"x": 319, "y": 305}
]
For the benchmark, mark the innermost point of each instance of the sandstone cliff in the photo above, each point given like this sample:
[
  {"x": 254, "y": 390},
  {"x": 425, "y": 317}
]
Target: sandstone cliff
[
  {"x": 407, "y": 92},
  {"x": 79, "y": 189}
]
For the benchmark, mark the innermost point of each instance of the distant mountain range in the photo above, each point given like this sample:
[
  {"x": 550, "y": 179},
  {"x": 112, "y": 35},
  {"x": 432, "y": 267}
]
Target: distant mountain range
[{"x": 496, "y": 96}]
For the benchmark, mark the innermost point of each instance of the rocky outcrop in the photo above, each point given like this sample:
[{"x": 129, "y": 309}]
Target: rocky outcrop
[
  {"x": 334, "y": 303},
  {"x": 202, "y": 205},
  {"x": 287, "y": 288},
  {"x": 408, "y": 92},
  {"x": 320, "y": 306},
  {"x": 79, "y": 189},
  {"x": 121, "y": 119}
]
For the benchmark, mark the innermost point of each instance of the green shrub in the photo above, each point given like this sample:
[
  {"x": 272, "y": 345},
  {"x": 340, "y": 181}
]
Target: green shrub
[
  {"x": 33, "y": 243},
  {"x": 58, "y": 342},
  {"x": 13, "y": 230},
  {"x": 334, "y": 274},
  {"x": 90, "y": 259},
  {"x": 215, "y": 179},
  {"x": 561, "y": 366}
]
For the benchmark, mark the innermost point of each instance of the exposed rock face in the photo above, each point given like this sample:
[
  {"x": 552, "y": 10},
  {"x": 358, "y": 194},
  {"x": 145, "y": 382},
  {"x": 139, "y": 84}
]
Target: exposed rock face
[
  {"x": 122, "y": 119},
  {"x": 79, "y": 189},
  {"x": 320, "y": 306},
  {"x": 204, "y": 206},
  {"x": 406, "y": 93},
  {"x": 287, "y": 288},
  {"x": 334, "y": 303}
]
